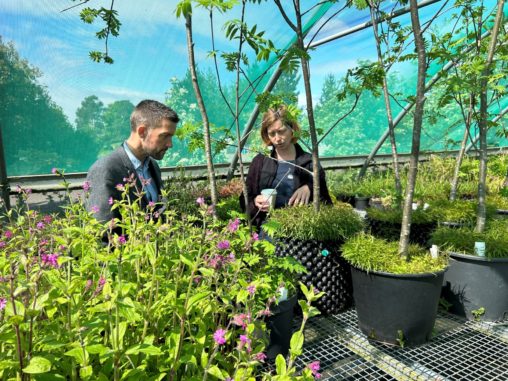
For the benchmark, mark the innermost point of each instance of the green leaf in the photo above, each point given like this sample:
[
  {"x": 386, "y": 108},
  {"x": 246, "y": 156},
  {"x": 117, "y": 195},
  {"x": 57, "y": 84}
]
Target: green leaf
[
  {"x": 296, "y": 343},
  {"x": 77, "y": 353},
  {"x": 187, "y": 260},
  {"x": 196, "y": 298},
  {"x": 97, "y": 349},
  {"x": 85, "y": 372},
  {"x": 38, "y": 365},
  {"x": 144, "y": 348},
  {"x": 215, "y": 371},
  {"x": 280, "y": 365}
]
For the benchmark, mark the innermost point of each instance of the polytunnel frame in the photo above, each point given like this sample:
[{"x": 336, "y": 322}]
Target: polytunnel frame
[{"x": 277, "y": 73}]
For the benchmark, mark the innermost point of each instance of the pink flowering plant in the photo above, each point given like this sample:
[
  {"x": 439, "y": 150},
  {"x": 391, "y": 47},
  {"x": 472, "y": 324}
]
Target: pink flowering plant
[{"x": 146, "y": 297}]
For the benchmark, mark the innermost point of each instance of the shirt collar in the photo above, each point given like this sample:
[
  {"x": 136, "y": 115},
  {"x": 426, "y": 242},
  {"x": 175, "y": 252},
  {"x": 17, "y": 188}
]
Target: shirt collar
[{"x": 134, "y": 160}]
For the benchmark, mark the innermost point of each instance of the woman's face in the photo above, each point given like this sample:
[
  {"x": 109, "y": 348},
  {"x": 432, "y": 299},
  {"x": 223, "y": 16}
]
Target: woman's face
[{"x": 280, "y": 135}]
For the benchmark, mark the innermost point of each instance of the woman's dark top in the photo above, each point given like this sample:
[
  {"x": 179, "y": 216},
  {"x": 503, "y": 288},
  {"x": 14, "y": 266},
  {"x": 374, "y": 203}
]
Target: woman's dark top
[
  {"x": 263, "y": 171},
  {"x": 284, "y": 183}
]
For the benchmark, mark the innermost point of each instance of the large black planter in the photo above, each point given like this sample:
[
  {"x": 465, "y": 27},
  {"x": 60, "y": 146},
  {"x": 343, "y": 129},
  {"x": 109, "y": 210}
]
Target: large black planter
[
  {"x": 473, "y": 282},
  {"x": 280, "y": 325},
  {"x": 393, "y": 308},
  {"x": 327, "y": 271}
]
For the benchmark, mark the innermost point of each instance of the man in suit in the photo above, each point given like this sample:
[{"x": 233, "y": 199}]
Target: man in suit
[{"x": 153, "y": 126}]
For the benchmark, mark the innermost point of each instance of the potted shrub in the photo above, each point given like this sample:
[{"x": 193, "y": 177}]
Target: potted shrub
[
  {"x": 396, "y": 299},
  {"x": 475, "y": 285},
  {"x": 314, "y": 239}
]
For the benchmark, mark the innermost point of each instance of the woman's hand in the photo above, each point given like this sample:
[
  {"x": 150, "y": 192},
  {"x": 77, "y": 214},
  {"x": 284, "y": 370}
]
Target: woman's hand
[
  {"x": 262, "y": 203},
  {"x": 301, "y": 196}
]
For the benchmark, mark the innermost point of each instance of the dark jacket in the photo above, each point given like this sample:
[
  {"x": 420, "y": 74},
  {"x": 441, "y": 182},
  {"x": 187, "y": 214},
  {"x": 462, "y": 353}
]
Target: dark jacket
[
  {"x": 262, "y": 172},
  {"x": 109, "y": 171}
]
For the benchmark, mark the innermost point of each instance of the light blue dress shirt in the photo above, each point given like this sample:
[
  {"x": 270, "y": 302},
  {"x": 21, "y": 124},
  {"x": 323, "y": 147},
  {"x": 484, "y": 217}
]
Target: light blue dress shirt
[{"x": 143, "y": 172}]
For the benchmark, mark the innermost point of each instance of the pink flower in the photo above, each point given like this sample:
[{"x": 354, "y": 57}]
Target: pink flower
[
  {"x": 54, "y": 171},
  {"x": 86, "y": 186},
  {"x": 200, "y": 201},
  {"x": 120, "y": 187},
  {"x": 122, "y": 240},
  {"x": 94, "y": 209},
  {"x": 260, "y": 356},
  {"x": 110, "y": 201},
  {"x": 47, "y": 219},
  {"x": 241, "y": 320},
  {"x": 255, "y": 236},
  {"x": 244, "y": 341},
  {"x": 251, "y": 289},
  {"x": 314, "y": 367},
  {"x": 223, "y": 245},
  {"x": 102, "y": 281},
  {"x": 233, "y": 225},
  {"x": 151, "y": 204},
  {"x": 50, "y": 260},
  {"x": 8, "y": 234},
  {"x": 2, "y": 244},
  {"x": 3, "y": 303},
  {"x": 219, "y": 336},
  {"x": 40, "y": 225},
  {"x": 88, "y": 284}
]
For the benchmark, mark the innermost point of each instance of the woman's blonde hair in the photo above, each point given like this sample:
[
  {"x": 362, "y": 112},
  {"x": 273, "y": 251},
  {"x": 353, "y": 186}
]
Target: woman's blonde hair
[{"x": 279, "y": 113}]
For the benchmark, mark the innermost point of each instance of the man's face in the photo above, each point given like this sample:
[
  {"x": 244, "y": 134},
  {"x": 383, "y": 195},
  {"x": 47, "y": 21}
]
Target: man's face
[{"x": 159, "y": 139}]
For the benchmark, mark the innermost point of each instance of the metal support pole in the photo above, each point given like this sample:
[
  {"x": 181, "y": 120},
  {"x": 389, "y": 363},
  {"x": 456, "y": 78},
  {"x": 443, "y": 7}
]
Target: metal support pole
[{"x": 4, "y": 182}]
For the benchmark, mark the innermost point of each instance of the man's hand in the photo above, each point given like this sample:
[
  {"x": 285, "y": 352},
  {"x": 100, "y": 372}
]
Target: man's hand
[{"x": 301, "y": 196}]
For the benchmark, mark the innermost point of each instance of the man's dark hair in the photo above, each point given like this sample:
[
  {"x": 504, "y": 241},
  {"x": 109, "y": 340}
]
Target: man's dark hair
[{"x": 151, "y": 113}]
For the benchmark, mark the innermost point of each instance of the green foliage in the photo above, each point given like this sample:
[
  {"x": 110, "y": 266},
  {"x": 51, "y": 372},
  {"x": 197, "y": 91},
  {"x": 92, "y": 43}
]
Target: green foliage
[
  {"x": 164, "y": 296},
  {"x": 331, "y": 223},
  {"x": 394, "y": 215},
  {"x": 373, "y": 254},
  {"x": 462, "y": 240},
  {"x": 228, "y": 207}
]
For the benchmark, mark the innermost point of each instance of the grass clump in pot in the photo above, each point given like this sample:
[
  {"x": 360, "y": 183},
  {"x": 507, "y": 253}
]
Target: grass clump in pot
[
  {"x": 369, "y": 253},
  {"x": 332, "y": 223},
  {"x": 462, "y": 240}
]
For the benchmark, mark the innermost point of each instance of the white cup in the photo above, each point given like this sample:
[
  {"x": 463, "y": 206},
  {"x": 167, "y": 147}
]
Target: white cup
[{"x": 270, "y": 195}]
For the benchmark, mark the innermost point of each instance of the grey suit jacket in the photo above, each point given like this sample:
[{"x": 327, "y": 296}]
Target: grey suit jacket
[{"x": 106, "y": 173}]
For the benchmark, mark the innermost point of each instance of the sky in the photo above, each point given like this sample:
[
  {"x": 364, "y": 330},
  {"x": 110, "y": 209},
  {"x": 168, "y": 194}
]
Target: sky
[{"x": 151, "y": 47}]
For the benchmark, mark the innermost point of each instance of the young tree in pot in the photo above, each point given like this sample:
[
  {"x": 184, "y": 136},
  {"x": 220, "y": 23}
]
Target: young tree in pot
[{"x": 398, "y": 302}]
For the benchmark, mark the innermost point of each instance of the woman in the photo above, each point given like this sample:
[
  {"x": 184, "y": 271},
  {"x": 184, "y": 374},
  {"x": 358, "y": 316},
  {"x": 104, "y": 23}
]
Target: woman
[{"x": 288, "y": 169}]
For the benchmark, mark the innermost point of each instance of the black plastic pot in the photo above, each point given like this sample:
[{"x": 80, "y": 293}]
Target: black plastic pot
[
  {"x": 473, "y": 282},
  {"x": 327, "y": 271},
  {"x": 361, "y": 202},
  {"x": 396, "y": 309},
  {"x": 280, "y": 325}
]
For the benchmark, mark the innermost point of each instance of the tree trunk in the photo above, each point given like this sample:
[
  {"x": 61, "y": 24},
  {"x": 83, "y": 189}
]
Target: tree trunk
[
  {"x": 237, "y": 121},
  {"x": 462, "y": 150},
  {"x": 417, "y": 128},
  {"x": 391, "y": 128},
  {"x": 481, "y": 215},
  {"x": 202, "y": 110},
  {"x": 310, "y": 110}
]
